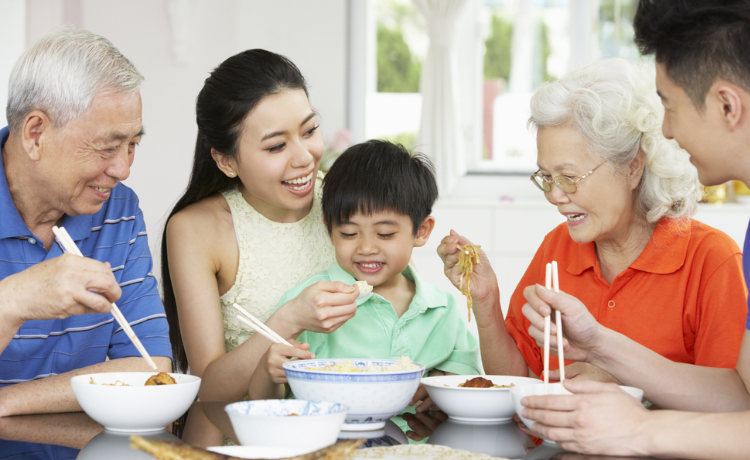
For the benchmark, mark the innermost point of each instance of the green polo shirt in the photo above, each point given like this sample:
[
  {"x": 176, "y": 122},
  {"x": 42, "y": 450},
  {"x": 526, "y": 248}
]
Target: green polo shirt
[{"x": 432, "y": 331}]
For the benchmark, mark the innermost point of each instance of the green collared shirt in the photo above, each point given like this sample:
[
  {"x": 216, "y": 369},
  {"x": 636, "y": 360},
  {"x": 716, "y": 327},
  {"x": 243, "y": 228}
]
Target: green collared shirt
[{"x": 432, "y": 331}]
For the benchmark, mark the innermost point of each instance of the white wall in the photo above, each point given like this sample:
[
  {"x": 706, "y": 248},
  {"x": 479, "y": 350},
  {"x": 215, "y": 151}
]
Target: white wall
[
  {"x": 12, "y": 44},
  {"x": 176, "y": 43}
]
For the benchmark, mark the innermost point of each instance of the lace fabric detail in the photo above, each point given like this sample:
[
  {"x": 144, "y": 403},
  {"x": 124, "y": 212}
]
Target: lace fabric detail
[{"x": 274, "y": 258}]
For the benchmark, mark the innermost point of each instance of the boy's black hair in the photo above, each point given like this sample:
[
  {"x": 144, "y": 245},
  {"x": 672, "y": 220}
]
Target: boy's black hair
[
  {"x": 379, "y": 176},
  {"x": 697, "y": 41}
]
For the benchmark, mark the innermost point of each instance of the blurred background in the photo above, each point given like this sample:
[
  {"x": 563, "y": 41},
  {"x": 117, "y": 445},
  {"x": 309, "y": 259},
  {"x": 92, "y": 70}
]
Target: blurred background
[{"x": 450, "y": 78}]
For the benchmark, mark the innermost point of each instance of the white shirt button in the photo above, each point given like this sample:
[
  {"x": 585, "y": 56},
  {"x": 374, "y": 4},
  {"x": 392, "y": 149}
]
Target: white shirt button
[
  {"x": 31, "y": 241},
  {"x": 611, "y": 304}
]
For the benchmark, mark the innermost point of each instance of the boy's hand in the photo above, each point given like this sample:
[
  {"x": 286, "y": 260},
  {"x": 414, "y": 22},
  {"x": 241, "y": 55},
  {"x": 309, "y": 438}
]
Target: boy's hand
[
  {"x": 325, "y": 306},
  {"x": 278, "y": 354},
  {"x": 422, "y": 396}
]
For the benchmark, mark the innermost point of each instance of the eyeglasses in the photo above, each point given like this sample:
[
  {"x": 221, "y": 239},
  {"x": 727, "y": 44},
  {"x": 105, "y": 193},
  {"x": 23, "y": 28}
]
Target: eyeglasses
[{"x": 565, "y": 183}]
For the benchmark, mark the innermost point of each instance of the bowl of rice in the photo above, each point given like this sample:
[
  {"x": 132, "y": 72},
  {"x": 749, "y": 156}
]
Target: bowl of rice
[{"x": 374, "y": 389}]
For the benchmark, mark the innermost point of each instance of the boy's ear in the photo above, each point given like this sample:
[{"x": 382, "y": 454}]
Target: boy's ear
[{"x": 423, "y": 233}]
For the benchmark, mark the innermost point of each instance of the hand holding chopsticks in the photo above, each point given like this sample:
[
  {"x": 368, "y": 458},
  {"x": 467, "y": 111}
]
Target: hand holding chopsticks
[
  {"x": 552, "y": 282},
  {"x": 70, "y": 247},
  {"x": 259, "y": 327}
]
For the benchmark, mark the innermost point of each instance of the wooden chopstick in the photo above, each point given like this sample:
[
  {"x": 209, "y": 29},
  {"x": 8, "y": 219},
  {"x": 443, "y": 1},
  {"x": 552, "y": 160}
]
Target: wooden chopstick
[
  {"x": 70, "y": 246},
  {"x": 259, "y": 330},
  {"x": 548, "y": 285},
  {"x": 258, "y": 326},
  {"x": 558, "y": 324}
]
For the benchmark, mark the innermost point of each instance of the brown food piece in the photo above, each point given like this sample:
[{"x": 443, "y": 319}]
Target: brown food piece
[
  {"x": 172, "y": 450},
  {"x": 477, "y": 382},
  {"x": 162, "y": 378}
]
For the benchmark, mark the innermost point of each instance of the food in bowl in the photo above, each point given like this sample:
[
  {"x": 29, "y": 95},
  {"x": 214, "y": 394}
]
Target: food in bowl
[
  {"x": 348, "y": 365},
  {"x": 269, "y": 422},
  {"x": 478, "y": 405},
  {"x": 373, "y": 398},
  {"x": 481, "y": 382},
  {"x": 120, "y": 401},
  {"x": 162, "y": 378},
  {"x": 518, "y": 393}
]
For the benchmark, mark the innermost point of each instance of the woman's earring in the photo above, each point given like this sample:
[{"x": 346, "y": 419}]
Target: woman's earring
[{"x": 231, "y": 174}]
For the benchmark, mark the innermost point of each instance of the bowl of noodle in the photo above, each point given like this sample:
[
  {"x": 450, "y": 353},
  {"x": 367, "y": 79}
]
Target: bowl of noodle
[{"x": 123, "y": 401}]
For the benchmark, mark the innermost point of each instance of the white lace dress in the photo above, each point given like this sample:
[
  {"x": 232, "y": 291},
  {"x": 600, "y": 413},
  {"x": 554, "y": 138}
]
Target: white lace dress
[{"x": 274, "y": 257}]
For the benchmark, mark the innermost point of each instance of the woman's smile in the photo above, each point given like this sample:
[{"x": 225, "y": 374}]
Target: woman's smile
[{"x": 300, "y": 186}]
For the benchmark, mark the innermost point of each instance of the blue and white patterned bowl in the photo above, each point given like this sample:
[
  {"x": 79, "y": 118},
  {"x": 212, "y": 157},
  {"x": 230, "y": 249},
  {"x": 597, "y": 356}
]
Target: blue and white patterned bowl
[
  {"x": 269, "y": 422},
  {"x": 372, "y": 398}
]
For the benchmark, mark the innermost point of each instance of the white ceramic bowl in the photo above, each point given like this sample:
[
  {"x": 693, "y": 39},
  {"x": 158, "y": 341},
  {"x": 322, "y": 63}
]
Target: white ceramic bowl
[
  {"x": 474, "y": 404},
  {"x": 503, "y": 439},
  {"x": 372, "y": 398},
  {"x": 116, "y": 445},
  {"x": 270, "y": 422},
  {"x": 517, "y": 393},
  {"x": 136, "y": 407}
]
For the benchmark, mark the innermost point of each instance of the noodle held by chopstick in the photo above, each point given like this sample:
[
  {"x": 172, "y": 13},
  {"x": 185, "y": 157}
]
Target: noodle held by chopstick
[{"x": 467, "y": 258}]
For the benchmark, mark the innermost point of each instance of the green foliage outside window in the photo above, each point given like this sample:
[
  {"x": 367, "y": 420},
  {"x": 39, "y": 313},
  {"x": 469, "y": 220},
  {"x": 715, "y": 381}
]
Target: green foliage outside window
[
  {"x": 398, "y": 69},
  {"x": 498, "y": 46},
  {"x": 497, "y": 49}
]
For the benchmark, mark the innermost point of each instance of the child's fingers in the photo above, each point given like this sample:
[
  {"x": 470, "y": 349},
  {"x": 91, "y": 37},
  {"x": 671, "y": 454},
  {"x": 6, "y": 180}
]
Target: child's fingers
[
  {"x": 335, "y": 287},
  {"x": 427, "y": 404},
  {"x": 420, "y": 395},
  {"x": 285, "y": 351}
]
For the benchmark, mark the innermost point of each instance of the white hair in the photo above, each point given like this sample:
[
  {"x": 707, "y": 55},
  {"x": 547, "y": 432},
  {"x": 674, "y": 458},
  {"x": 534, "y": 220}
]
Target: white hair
[
  {"x": 613, "y": 104},
  {"x": 62, "y": 72}
]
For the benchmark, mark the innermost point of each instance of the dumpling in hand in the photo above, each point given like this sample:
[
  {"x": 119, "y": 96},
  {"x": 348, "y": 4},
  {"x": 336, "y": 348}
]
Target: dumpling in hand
[{"x": 364, "y": 288}]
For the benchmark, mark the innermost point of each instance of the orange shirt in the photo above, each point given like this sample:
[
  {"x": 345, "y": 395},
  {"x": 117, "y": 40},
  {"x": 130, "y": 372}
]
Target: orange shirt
[{"x": 684, "y": 297}]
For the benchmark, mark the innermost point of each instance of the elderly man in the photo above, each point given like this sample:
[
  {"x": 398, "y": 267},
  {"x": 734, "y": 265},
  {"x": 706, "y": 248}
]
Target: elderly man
[
  {"x": 702, "y": 52},
  {"x": 74, "y": 115}
]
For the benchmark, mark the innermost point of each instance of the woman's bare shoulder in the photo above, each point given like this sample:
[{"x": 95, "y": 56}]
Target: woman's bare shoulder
[{"x": 207, "y": 220}]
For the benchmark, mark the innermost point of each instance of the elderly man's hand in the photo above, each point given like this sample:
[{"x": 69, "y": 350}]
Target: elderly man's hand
[
  {"x": 58, "y": 288},
  {"x": 582, "y": 333},
  {"x": 599, "y": 418}
]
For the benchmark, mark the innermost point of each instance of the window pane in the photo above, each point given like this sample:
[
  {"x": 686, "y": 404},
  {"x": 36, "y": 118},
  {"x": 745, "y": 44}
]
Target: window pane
[
  {"x": 393, "y": 110},
  {"x": 526, "y": 43}
]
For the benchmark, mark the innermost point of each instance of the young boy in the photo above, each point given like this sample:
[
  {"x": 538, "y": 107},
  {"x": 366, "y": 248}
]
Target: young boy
[{"x": 377, "y": 200}]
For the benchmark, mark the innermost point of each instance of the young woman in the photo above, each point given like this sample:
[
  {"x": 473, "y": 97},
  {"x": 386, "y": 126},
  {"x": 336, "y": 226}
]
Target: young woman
[{"x": 249, "y": 226}]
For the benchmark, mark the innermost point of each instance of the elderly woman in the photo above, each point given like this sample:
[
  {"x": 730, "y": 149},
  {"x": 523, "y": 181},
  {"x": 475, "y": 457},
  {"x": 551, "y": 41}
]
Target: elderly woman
[{"x": 628, "y": 250}]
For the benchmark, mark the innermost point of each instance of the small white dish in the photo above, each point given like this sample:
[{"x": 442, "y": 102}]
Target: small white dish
[
  {"x": 259, "y": 451},
  {"x": 518, "y": 393},
  {"x": 132, "y": 406},
  {"x": 312, "y": 424},
  {"x": 478, "y": 405}
]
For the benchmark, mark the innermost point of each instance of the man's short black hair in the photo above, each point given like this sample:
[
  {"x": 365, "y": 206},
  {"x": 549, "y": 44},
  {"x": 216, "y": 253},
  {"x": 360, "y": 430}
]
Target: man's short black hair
[
  {"x": 379, "y": 176},
  {"x": 698, "y": 41}
]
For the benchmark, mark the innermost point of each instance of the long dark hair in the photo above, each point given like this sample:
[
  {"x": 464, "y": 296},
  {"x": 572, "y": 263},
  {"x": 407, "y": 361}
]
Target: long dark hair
[{"x": 232, "y": 91}]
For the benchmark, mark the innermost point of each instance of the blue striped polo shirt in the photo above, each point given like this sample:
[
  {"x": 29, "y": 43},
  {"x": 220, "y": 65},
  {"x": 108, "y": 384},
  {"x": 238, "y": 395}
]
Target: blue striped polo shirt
[{"x": 116, "y": 234}]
